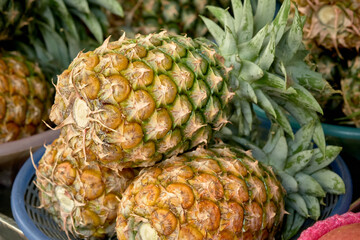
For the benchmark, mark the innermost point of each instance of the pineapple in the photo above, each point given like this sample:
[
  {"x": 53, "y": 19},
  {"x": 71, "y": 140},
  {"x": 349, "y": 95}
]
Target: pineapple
[
  {"x": 82, "y": 198},
  {"x": 148, "y": 16},
  {"x": 331, "y": 24},
  {"x": 215, "y": 193},
  {"x": 332, "y": 35},
  {"x": 53, "y": 32},
  {"x": 25, "y": 97},
  {"x": 133, "y": 102}
]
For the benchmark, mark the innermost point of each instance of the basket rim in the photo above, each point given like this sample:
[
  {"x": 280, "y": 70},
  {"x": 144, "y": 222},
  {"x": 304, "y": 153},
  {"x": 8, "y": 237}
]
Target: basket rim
[
  {"x": 17, "y": 202},
  {"x": 27, "y": 225}
]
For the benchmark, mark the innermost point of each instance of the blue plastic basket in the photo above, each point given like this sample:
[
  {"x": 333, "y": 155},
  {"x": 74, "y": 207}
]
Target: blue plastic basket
[{"x": 38, "y": 224}]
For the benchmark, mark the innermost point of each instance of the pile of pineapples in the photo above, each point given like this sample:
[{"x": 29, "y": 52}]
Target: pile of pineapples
[
  {"x": 332, "y": 35},
  {"x": 141, "y": 119},
  {"x": 38, "y": 39}
]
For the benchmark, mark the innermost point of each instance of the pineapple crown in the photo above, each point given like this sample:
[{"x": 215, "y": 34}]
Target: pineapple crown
[
  {"x": 267, "y": 57},
  {"x": 52, "y": 32}
]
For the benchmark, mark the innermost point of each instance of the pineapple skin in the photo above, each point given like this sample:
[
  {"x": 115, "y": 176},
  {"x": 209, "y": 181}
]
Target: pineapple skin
[
  {"x": 81, "y": 197},
  {"x": 25, "y": 98},
  {"x": 134, "y": 101},
  {"x": 215, "y": 193},
  {"x": 148, "y": 16}
]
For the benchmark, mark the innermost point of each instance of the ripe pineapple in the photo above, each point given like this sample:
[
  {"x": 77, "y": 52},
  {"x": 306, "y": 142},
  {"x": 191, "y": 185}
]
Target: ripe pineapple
[
  {"x": 25, "y": 97},
  {"x": 148, "y": 16},
  {"x": 331, "y": 24},
  {"x": 332, "y": 35},
  {"x": 53, "y": 32},
  {"x": 215, "y": 193},
  {"x": 81, "y": 197},
  {"x": 134, "y": 101}
]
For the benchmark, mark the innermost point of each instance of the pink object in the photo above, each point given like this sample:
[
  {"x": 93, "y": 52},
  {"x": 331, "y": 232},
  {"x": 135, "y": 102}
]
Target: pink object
[{"x": 320, "y": 228}]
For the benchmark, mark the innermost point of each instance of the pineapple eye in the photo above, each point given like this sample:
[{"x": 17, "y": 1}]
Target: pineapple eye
[
  {"x": 172, "y": 139},
  {"x": 132, "y": 135},
  {"x": 93, "y": 186},
  {"x": 139, "y": 106},
  {"x": 144, "y": 151},
  {"x": 18, "y": 85},
  {"x": 214, "y": 80},
  {"x": 253, "y": 216},
  {"x": 110, "y": 202},
  {"x": 91, "y": 62},
  {"x": 65, "y": 173},
  {"x": 164, "y": 221},
  {"x": 18, "y": 68},
  {"x": 148, "y": 195},
  {"x": 235, "y": 189},
  {"x": 182, "y": 192},
  {"x": 206, "y": 215},
  {"x": 110, "y": 153},
  {"x": 182, "y": 76},
  {"x": 258, "y": 191},
  {"x": 111, "y": 63},
  {"x": 212, "y": 108},
  {"x": 17, "y": 107},
  {"x": 205, "y": 165},
  {"x": 90, "y": 85},
  {"x": 159, "y": 60},
  {"x": 39, "y": 87},
  {"x": 208, "y": 186},
  {"x": 199, "y": 94},
  {"x": 159, "y": 125},
  {"x": 195, "y": 62},
  {"x": 90, "y": 218},
  {"x": 119, "y": 88},
  {"x": 188, "y": 232},
  {"x": 234, "y": 216},
  {"x": 181, "y": 110},
  {"x": 4, "y": 85},
  {"x": 164, "y": 90},
  {"x": 271, "y": 210},
  {"x": 110, "y": 116},
  {"x": 139, "y": 74},
  {"x": 183, "y": 173}
]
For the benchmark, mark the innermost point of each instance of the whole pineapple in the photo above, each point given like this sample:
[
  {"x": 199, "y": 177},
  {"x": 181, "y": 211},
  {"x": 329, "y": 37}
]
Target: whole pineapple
[
  {"x": 134, "y": 100},
  {"x": 215, "y": 193},
  {"x": 81, "y": 197},
  {"x": 25, "y": 97},
  {"x": 148, "y": 16}
]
